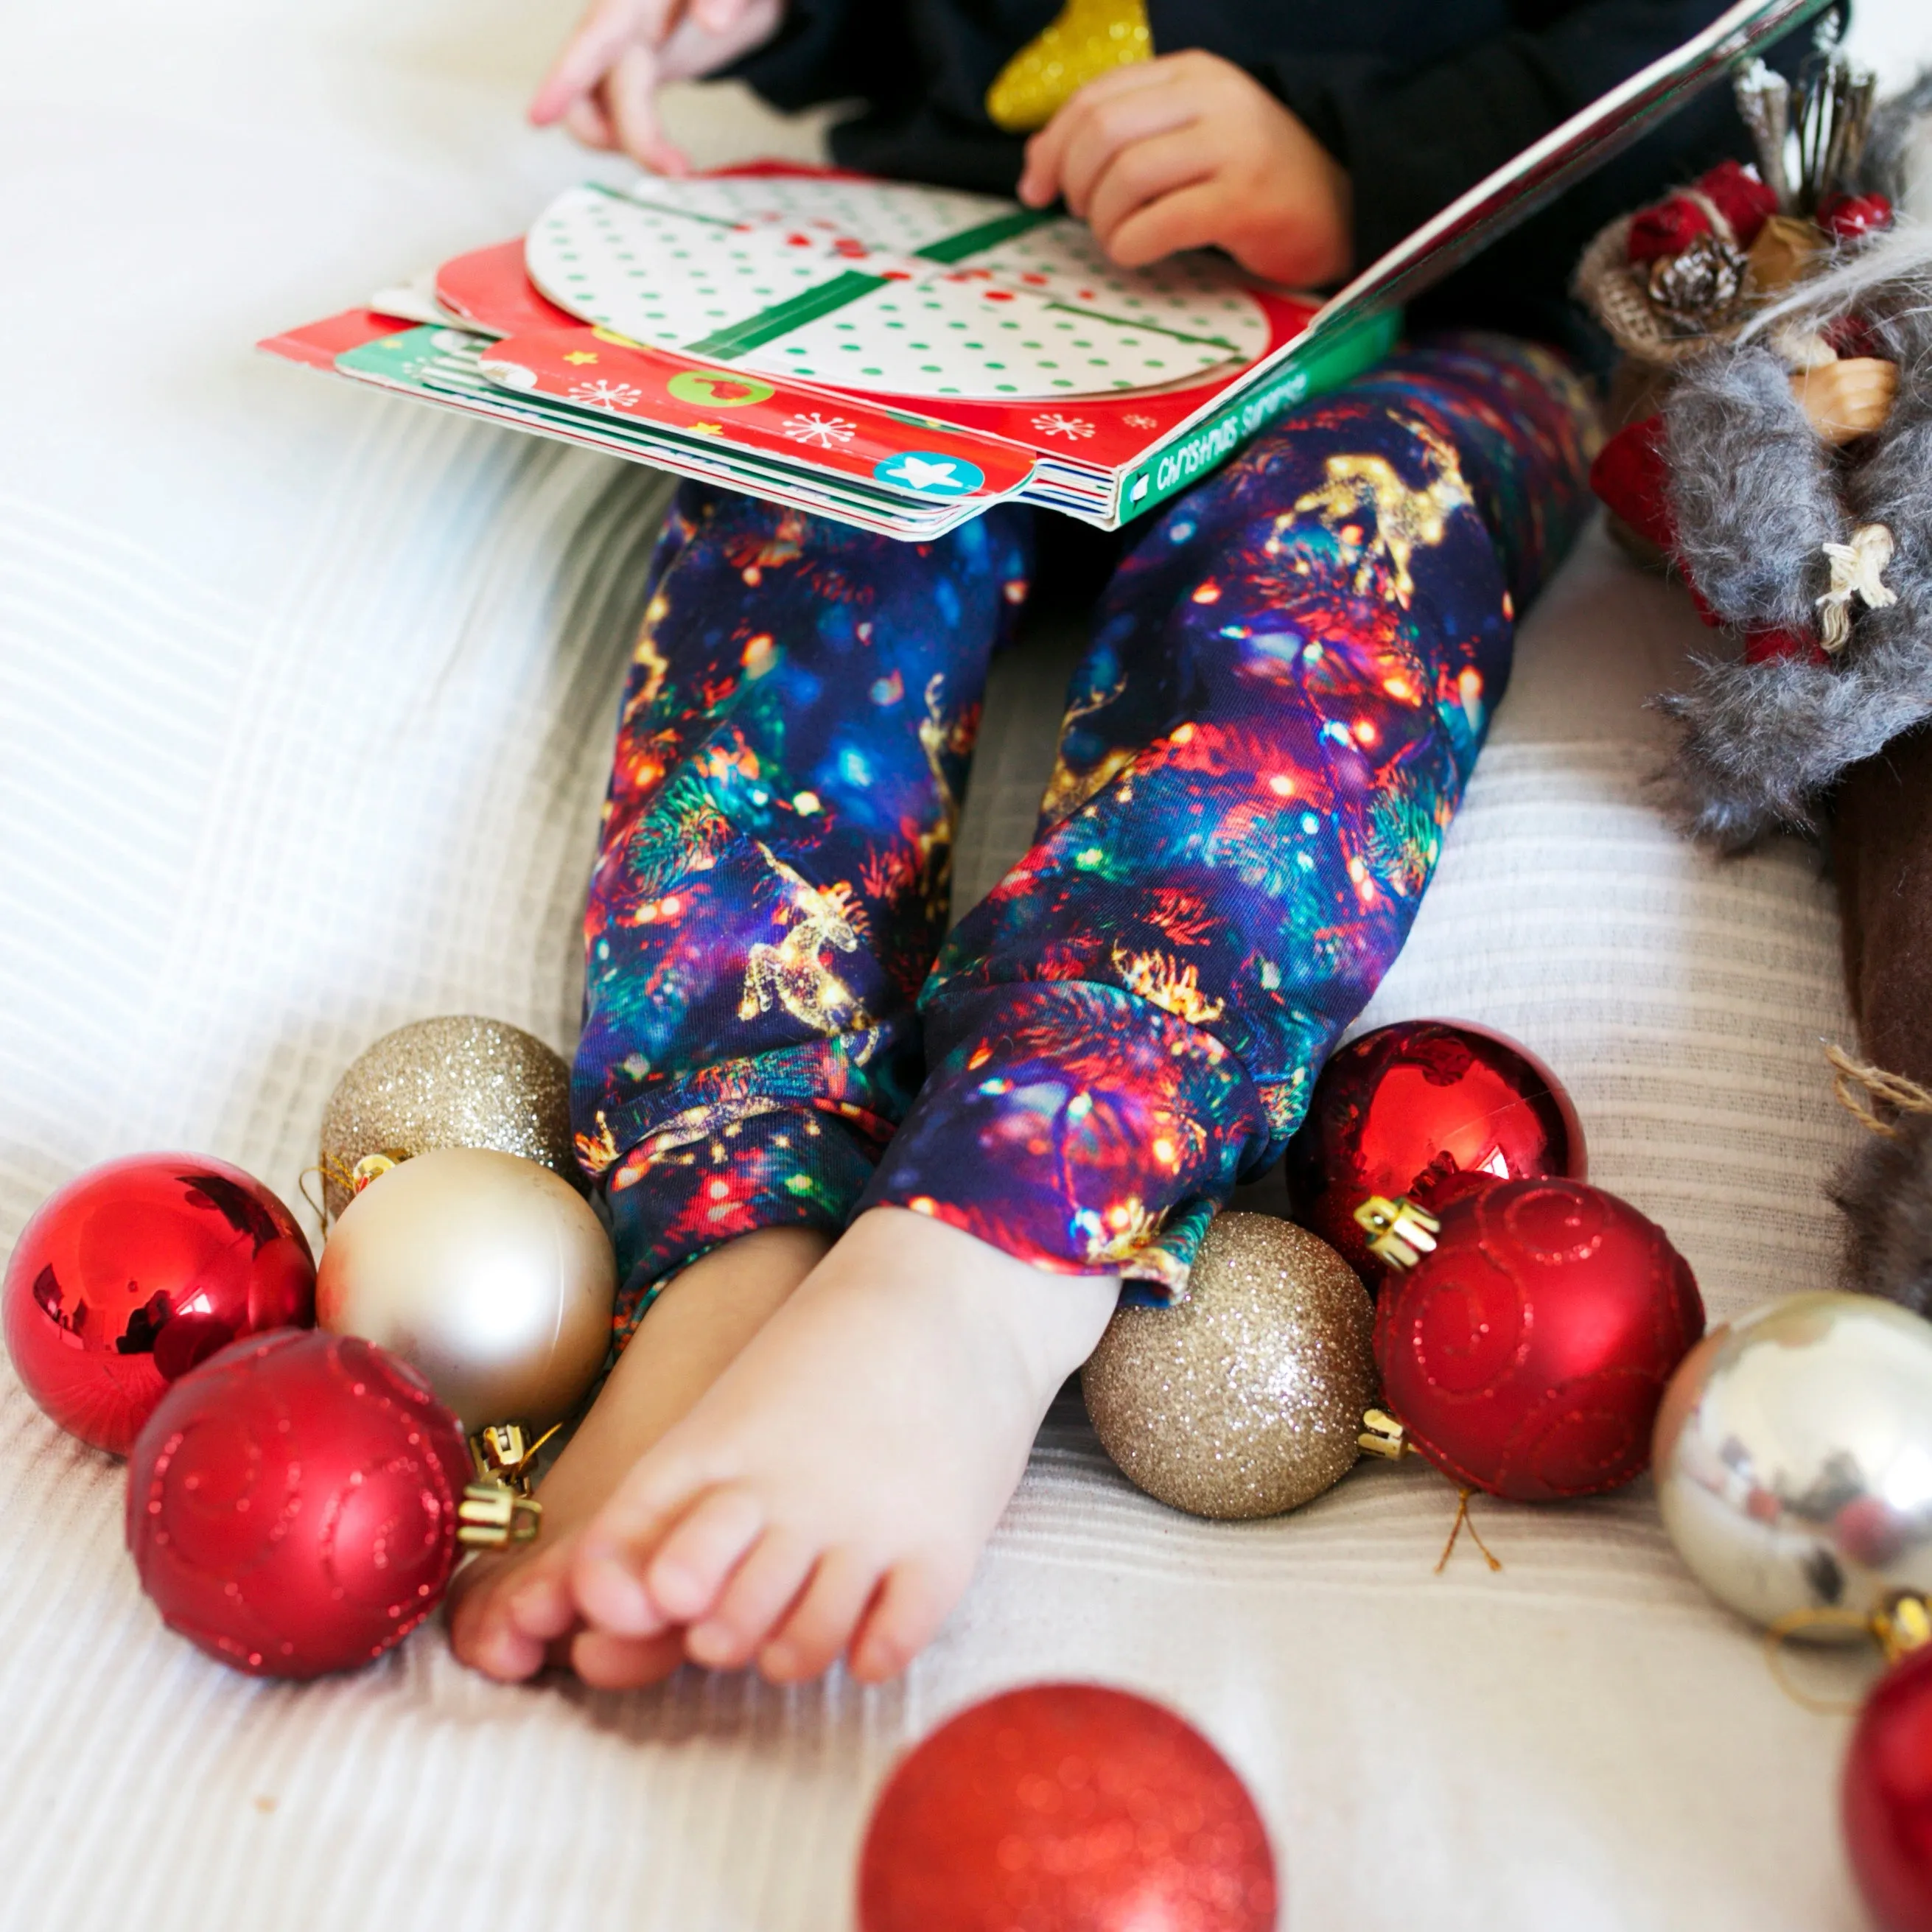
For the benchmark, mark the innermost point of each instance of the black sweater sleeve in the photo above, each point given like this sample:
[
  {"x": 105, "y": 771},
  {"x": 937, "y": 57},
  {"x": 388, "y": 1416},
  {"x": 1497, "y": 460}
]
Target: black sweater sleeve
[{"x": 1412, "y": 141}]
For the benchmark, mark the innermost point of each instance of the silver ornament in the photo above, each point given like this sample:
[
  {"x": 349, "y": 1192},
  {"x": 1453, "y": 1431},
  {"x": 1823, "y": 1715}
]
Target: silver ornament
[
  {"x": 1246, "y": 1398},
  {"x": 1793, "y": 1459},
  {"x": 487, "y": 1274},
  {"x": 460, "y": 1080}
]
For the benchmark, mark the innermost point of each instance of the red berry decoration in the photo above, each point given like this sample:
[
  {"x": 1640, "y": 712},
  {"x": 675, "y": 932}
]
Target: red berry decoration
[
  {"x": 1527, "y": 1354},
  {"x": 1667, "y": 230},
  {"x": 1740, "y": 197},
  {"x": 292, "y": 1504},
  {"x": 137, "y": 1270},
  {"x": 1066, "y": 1807},
  {"x": 1887, "y": 1797},
  {"x": 1851, "y": 218},
  {"x": 1428, "y": 1111}
]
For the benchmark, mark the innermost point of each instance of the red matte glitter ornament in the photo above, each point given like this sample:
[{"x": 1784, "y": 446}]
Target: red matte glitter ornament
[
  {"x": 1428, "y": 1111},
  {"x": 1885, "y": 1799},
  {"x": 1526, "y": 1351},
  {"x": 293, "y": 1503},
  {"x": 137, "y": 1270},
  {"x": 1066, "y": 1807}
]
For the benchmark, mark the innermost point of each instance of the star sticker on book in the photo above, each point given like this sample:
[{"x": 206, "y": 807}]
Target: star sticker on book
[
  {"x": 930, "y": 473},
  {"x": 581, "y": 356}
]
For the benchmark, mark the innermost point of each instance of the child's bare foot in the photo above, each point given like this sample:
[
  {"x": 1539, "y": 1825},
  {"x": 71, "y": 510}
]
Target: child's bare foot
[
  {"x": 511, "y": 1614},
  {"x": 833, "y": 1489}
]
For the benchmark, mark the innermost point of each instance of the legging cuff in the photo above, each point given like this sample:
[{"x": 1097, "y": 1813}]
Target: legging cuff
[
  {"x": 785, "y": 1166},
  {"x": 1076, "y": 1126}
]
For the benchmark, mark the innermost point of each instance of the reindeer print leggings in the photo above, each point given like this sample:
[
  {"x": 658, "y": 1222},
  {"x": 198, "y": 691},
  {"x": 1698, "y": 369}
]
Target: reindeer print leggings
[{"x": 1289, "y": 679}]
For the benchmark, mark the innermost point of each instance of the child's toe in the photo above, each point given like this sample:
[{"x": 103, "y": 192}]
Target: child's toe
[
  {"x": 762, "y": 1590},
  {"x": 538, "y": 1600},
  {"x": 917, "y": 1597},
  {"x": 697, "y": 1556},
  {"x": 812, "y": 1638},
  {"x": 608, "y": 1662}
]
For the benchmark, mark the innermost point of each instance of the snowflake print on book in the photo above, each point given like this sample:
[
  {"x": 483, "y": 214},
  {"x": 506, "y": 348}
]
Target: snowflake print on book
[
  {"x": 821, "y": 432},
  {"x": 1050, "y": 422},
  {"x": 602, "y": 394}
]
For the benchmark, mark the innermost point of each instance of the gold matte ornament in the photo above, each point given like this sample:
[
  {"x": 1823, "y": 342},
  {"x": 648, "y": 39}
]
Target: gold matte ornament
[
  {"x": 1247, "y": 1398},
  {"x": 488, "y": 1274},
  {"x": 460, "y": 1081},
  {"x": 1086, "y": 39}
]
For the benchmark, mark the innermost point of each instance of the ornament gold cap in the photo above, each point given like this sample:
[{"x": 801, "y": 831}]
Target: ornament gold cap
[
  {"x": 492, "y": 1516},
  {"x": 1400, "y": 1232},
  {"x": 498, "y": 1508},
  {"x": 1904, "y": 1625},
  {"x": 1383, "y": 1436}
]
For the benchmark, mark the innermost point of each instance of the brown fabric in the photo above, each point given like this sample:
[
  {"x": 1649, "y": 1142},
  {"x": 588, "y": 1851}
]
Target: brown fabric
[{"x": 1881, "y": 847}]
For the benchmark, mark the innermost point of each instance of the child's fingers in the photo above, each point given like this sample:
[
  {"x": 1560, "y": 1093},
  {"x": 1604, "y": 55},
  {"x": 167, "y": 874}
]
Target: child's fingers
[
  {"x": 1044, "y": 174},
  {"x": 593, "y": 49},
  {"x": 1145, "y": 171},
  {"x": 587, "y": 122},
  {"x": 631, "y": 100},
  {"x": 1101, "y": 136},
  {"x": 1190, "y": 217}
]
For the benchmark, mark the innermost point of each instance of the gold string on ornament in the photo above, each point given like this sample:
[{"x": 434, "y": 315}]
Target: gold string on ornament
[
  {"x": 1863, "y": 1088},
  {"x": 1464, "y": 1520},
  {"x": 1903, "y": 1625}
]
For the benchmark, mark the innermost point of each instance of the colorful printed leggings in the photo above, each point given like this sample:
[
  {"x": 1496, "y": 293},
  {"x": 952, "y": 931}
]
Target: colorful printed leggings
[{"x": 1289, "y": 677}]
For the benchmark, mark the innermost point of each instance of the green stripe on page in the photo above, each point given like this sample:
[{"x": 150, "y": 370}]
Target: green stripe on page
[
  {"x": 781, "y": 318},
  {"x": 768, "y": 325},
  {"x": 988, "y": 234}
]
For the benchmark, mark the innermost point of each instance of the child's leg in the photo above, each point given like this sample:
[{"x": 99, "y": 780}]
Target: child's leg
[
  {"x": 769, "y": 889},
  {"x": 1289, "y": 681}
]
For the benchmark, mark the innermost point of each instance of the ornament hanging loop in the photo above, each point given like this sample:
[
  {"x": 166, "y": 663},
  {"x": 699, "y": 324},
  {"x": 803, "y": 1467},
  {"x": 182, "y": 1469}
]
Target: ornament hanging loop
[
  {"x": 1873, "y": 1097},
  {"x": 1400, "y": 1232}
]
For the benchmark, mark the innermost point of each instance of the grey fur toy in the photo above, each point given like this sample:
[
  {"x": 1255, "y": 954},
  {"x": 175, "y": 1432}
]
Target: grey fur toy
[
  {"x": 1885, "y": 1191},
  {"x": 1755, "y": 498},
  {"x": 1755, "y": 495}
]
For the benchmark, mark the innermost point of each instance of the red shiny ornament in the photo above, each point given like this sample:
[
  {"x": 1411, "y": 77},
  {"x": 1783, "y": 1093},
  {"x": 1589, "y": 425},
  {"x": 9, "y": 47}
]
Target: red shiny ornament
[
  {"x": 1431, "y": 1110},
  {"x": 1886, "y": 1801},
  {"x": 1528, "y": 1353},
  {"x": 137, "y": 1270},
  {"x": 1066, "y": 1807},
  {"x": 292, "y": 1504}
]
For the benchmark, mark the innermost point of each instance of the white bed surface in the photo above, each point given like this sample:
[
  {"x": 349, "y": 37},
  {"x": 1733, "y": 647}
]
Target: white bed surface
[{"x": 305, "y": 696}]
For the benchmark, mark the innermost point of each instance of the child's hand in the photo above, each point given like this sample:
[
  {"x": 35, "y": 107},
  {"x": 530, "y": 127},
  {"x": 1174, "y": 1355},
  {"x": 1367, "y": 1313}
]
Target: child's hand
[
  {"x": 604, "y": 87},
  {"x": 1188, "y": 151}
]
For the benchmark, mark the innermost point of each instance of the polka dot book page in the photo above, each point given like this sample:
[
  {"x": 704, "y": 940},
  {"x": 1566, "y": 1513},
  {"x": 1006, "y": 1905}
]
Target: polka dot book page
[{"x": 905, "y": 291}]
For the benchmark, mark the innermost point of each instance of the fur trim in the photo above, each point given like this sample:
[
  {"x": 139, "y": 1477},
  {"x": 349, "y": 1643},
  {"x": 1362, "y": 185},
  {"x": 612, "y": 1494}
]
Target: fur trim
[
  {"x": 1885, "y": 1191},
  {"x": 1898, "y": 154},
  {"x": 1755, "y": 495}
]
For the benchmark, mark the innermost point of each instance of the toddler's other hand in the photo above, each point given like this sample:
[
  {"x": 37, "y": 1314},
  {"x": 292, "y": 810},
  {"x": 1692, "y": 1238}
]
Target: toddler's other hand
[
  {"x": 604, "y": 86},
  {"x": 1189, "y": 151}
]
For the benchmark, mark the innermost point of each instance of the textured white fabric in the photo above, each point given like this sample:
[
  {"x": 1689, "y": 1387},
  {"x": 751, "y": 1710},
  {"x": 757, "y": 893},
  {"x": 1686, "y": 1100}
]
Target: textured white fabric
[{"x": 304, "y": 700}]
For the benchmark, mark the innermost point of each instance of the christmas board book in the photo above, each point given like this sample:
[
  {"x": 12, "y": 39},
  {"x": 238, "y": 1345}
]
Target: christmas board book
[{"x": 902, "y": 358}]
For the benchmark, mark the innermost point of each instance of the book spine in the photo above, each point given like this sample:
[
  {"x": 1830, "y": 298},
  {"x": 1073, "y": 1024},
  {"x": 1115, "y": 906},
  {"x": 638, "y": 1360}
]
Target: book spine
[{"x": 1327, "y": 360}]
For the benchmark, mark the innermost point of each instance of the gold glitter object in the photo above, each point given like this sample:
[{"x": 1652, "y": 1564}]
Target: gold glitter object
[
  {"x": 1086, "y": 39},
  {"x": 1246, "y": 1398},
  {"x": 458, "y": 1081}
]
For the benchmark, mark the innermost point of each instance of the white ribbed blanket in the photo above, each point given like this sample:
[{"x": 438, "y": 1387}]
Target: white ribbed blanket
[{"x": 304, "y": 701}]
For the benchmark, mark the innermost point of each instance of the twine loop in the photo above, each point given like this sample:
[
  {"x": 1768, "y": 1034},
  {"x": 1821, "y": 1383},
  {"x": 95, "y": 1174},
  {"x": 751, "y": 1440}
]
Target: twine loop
[{"x": 1871, "y": 1096}]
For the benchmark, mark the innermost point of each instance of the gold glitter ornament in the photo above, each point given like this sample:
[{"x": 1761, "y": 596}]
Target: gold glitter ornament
[
  {"x": 461, "y": 1081},
  {"x": 1246, "y": 1398},
  {"x": 1086, "y": 39}
]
